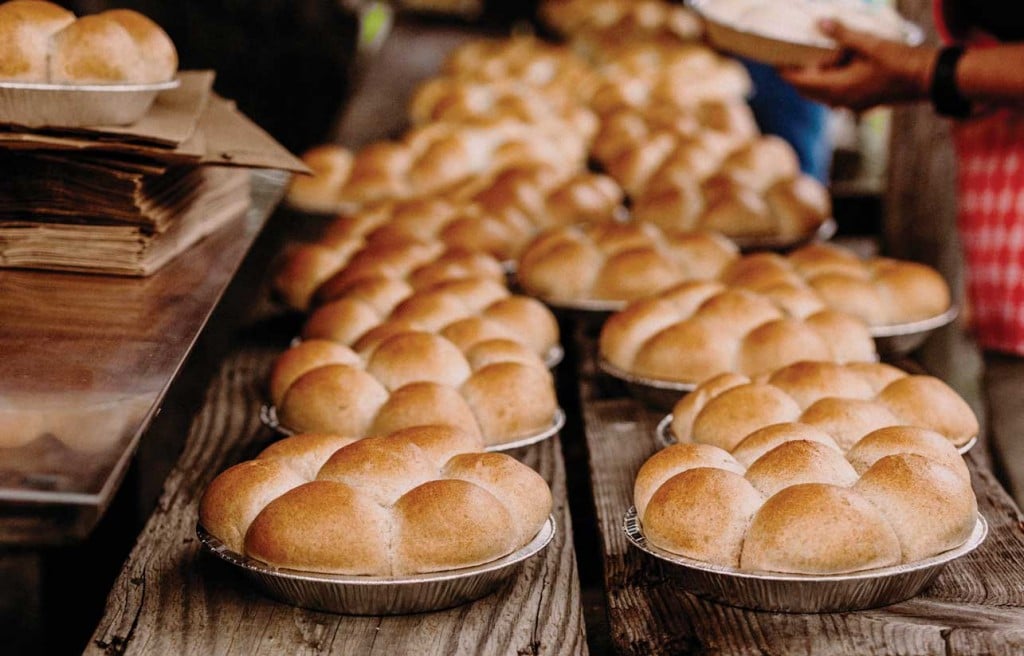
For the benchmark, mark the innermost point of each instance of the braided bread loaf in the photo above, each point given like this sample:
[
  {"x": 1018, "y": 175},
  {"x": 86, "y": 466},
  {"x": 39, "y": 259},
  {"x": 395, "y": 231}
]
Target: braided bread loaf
[
  {"x": 466, "y": 310},
  {"x": 699, "y": 329},
  {"x": 844, "y": 401},
  {"x": 618, "y": 261},
  {"x": 414, "y": 501},
  {"x": 497, "y": 388},
  {"x": 881, "y": 291},
  {"x": 801, "y": 507}
]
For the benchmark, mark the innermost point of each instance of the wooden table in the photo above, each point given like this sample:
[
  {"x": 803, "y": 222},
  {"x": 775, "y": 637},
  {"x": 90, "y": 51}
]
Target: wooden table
[
  {"x": 171, "y": 598},
  {"x": 976, "y": 606},
  {"x": 86, "y": 361}
]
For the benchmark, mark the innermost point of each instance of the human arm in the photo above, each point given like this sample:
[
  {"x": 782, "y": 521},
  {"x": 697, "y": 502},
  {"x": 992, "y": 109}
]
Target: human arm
[{"x": 877, "y": 72}]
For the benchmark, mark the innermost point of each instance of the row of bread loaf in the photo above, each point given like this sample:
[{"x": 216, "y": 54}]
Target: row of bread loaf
[
  {"x": 417, "y": 500},
  {"x": 623, "y": 262},
  {"x": 431, "y": 159},
  {"x": 496, "y": 388},
  {"x": 497, "y": 221}
]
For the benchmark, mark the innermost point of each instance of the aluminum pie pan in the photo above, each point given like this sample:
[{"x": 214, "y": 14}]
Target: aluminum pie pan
[
  {"x": 268, "y": 417},
  {"x": 801, "y": 593},
  {"x": 825, "y": 231},
  {"x": 35, "y": 105},
  {"x": 774, "y": 50},
  {"x": 656, "y": 392},
  {"x": 374, "y": 595},
  {"x": 665, "y": 438},
  {"x": 903, "y": 338}
]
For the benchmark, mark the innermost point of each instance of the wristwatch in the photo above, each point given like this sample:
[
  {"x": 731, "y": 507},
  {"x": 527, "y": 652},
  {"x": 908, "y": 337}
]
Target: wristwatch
[{"x": 944, "y": 92}]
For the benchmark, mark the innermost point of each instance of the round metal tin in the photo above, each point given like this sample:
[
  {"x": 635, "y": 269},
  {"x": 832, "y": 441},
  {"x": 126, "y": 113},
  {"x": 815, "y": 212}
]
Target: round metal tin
[
  {"x": 374, "y": 595},
  {"x": 662, "y": 394},
  {"x": 902, "y": 338},
  {"x": 36, "y": 105},
  {"x": 801, "y": 593},
  {"x": 824, "y": 232}
]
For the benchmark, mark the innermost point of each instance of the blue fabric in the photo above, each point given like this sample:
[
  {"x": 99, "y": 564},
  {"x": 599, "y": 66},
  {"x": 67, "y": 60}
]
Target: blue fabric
[{"x": 781, "y": 110}]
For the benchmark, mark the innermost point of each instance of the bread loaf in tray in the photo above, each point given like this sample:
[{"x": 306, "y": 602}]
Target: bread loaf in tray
[
  {"x": 41, "y": 42},
  {"x": 465, "y": 310},
  {"x": 880, "y": 290},
  {"x": 797, "y": 504},
  {"x": 618, "y": 261},
  {"x": 700, "y": 329},
  {"x": 496, "y": 388},
  {"x": 845, "y": 402},
  {"x": 423, "y": 499}
]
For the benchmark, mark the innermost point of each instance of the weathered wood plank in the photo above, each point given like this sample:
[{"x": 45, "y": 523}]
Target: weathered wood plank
[
  {"x": 975, "y": 606},
  {"x": 172, "y": 599}
]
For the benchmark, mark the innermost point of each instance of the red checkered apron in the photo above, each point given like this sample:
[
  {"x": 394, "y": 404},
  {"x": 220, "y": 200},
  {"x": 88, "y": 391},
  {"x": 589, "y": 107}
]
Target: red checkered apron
[{"x": 990, "y": 217}]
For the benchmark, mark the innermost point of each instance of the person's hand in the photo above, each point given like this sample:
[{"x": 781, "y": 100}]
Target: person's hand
[{"x": 871, "y": 71}]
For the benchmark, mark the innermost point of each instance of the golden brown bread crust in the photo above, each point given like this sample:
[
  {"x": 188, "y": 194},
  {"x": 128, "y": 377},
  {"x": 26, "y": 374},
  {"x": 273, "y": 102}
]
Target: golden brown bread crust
[
  {"x": 799, "y": 461},
  {"x": 416, "y": 356},
  {"x": 702, "y": 513},
  {"x": 814, "y": 528},
  {"x": 673, "y": 460},
  {"x": 765, "y": 439},
  {"x": 504, "y": 416},
  {"x": 302, "y": 529},
  {"x": 929, "y": 505},
  {"x": 238, "y": 494},
  {"x": 99, "y": 49},
  {"x": 893, "y": 440},
  {"x": 419, "y": 500},
  {"x": 159, "y": 57},
  {"x": 307, "y": 355},
  {"x": 421, "y": 403},
  {"x": 26, "y": 27},
  {"x": 334, "y": 398}
]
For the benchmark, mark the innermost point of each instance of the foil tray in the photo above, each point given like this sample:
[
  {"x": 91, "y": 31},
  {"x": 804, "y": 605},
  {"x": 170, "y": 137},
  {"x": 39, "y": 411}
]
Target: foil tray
[
  {"x": 801, "y": 593},
  {"x": 552, "y": 358},
  {"x": 664, "y": 436},
  {"x": 35, "y": 105},
  {"x": 775, "y": 51},
  {"x": 268, "y": 417},
  {"x": 371, "y": 595},
  {"x": 824, "y": 232},
  {"x": 900, "y": 339},
  {"x": 661, "y": 394}
]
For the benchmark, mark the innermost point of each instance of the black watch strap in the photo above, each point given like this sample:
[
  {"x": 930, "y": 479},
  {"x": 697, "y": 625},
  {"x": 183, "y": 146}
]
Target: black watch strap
[{"x": 944, "y": 92}]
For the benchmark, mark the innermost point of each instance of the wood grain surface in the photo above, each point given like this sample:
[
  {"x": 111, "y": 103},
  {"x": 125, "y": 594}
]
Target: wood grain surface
[
  {"x": 976, "y": 606},
  {"x": 171, "y": 598}
]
